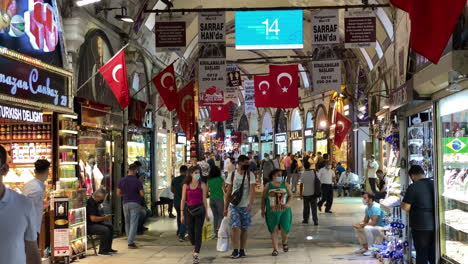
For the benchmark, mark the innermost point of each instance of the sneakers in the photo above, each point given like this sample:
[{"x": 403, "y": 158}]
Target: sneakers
[
  {"x": 367, "y": 253},
  {"x": 105, "y": 253},
  {"x": 235, "y": 254},
  {"x": 113, "y": 251},
  {"x": 329, "y": 212},
  {"x": 360, "y": 251},
  {"x": 242, "y": 253},
  {"x": 196, "y": 259},
  {"x": 315, "y": 223},
  {"x": 305, "y": 221},
  {"x": 132, "y": 246}
]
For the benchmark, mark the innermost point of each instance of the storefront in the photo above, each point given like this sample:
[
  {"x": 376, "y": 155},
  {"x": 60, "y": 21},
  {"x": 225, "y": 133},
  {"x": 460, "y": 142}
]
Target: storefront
[
  {"x": 322, "y": 130},
  {"x": 267, "y": 143},
  {"x": 182, "y": 152},
  {"x": 281, "y": 136},
  {"x": 253, "y": 133},
  {"x": 243, "y": 129},
  {"x": 266, "y": 137},
  {"x": 295, "y": 134},
  {"x": 281, "y": 143},
  {"x": 253, "y": 142},
  {"x": 309, "y": 133}
]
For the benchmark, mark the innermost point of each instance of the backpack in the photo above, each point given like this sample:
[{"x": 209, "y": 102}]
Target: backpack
[
  {"x": 236, "y": 196},
  {"x": 317, "y": 185}
]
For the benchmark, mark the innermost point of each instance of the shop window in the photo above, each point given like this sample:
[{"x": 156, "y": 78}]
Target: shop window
[
  {"x": 296, "y": 122},
  {"x": 309, "y": 121}
]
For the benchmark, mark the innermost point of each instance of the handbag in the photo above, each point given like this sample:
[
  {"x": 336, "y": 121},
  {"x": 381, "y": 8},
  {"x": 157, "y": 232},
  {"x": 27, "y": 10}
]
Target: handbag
[
  {"x": 236, "y": 196},
  {"x": 195, "y": 210}
]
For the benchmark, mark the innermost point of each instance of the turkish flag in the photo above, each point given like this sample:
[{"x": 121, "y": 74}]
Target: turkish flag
[
  {"x": 115, "y": 74},
  {"x": 285, "y": 86},
  {"x": 343, "y": 125},
  {"x": 432, "y": 24},
  {"x": 165, "y": 82},
  {"x": 219, "y": 113},
  {"x": 186, "y": 109},
  {"x": 262, "y": 84}
]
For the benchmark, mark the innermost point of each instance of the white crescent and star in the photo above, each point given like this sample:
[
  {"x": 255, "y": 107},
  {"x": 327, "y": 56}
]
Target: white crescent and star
[
  {"x": 282, "y": 75},
  {"x": 264, "y": 83},
  {"x": 185, "y": 99},
  {"x": 339, "y": 125},
  {"x": 167, "y": 75},
  {"x": 115, "y": 70},
  {"x": 219, "y": 108}
]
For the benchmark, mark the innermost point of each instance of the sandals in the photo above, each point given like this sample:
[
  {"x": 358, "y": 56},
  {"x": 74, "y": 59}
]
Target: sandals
[
  {"x": 274, "y": 253},
  {"x": 285, "y": 248}
]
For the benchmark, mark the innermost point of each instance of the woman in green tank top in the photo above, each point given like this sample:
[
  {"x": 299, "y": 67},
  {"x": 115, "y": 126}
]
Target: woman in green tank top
[{"x": 277, "y": 197}]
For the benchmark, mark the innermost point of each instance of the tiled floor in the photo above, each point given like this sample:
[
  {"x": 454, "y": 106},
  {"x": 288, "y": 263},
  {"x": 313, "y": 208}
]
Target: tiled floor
[{"x": 332, "y": 241}]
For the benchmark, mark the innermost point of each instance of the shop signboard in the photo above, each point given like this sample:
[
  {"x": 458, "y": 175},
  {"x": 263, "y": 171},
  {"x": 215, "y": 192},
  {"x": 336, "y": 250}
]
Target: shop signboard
[
  {"x": 326, "y": 75},
  {"x": 61, "y": 224},
  {"x": 234, "y": 79},
  {"x": 295, "y": 135},
  {"x": 325, "y": 27},
  {"x": 249, "y": 97},
  {"x": 320, "y": 135},
  {"x": 212, "y": 58},
  {"x": 456, "y": 145},
  {"x": 266, "y": 138},
  {"x": 252, "y": 139},
  {"x": 308, "y": 133},
  {"x": 360, "y": 28},
  {"x": 281, "y": 138},
  {"x": 32, "y": 28},
  {"x": 236, "y": 137},
  {"x": 20, "y": 114},
  {"x": 170, "y": 33},
  {"x": 230, "y": 94},
  {"x": 402, "y": 95},
  {"x": 32, "y": 81},
  {"x": 181, "y": 139}
]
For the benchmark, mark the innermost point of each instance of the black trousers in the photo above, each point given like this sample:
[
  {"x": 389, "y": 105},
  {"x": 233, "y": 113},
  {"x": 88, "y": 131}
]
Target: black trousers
[
  {"x": 194, "y": 226},
  {"x": 169, "y": 202},
  {"x": 372, "y": 184},
  {"x": 424, "y": 243},
  {"x": 310, "y": 203},
  {"x": 105, "y": 233},
  {"x": 327, "y": 196}
]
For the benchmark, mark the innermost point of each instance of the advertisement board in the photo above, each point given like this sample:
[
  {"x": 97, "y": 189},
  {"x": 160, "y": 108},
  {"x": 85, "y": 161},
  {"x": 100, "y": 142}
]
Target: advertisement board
[
  {"x": 326, "y": 75},
  {"x": 249, "y": 99},
  {"x": 360, "y": 28},
  {"x": 325, "y": 27}
]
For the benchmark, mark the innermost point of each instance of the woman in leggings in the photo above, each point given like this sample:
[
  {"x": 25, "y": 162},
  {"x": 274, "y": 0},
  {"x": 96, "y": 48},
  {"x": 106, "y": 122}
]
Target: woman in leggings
[{"x": 193, "y": 209}]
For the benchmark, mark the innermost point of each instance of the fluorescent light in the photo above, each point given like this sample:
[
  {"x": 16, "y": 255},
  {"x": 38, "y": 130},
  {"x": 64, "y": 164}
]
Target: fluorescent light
[
  {"x": 346, "y": 107},
  {"x": 124, "y": 18},
  {"x": 346, "y": 113},
  {"x": 323, "y": 123},
  {"x": 86, "y": 2},
  {"x": 333, "y": 126},
  {"x": 309, "y": 237},
  {"x": 362, "y": 108},
  {"x": 386, "y": 107}
]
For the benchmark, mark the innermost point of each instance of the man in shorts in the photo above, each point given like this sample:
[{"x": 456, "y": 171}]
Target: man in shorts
[{"x": 241, "y": 214}]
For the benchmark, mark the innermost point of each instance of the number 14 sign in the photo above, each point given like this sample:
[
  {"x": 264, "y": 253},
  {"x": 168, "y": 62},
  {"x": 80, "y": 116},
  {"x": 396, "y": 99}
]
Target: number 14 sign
[{"x": 269, "y": 30}]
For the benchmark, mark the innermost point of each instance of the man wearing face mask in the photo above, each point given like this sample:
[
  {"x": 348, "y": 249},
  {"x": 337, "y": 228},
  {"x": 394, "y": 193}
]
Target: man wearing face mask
[
  {"x": 95, "y": 223},
  {"x": 326, "y": 176},
  {"x": 371, "y": 227}
]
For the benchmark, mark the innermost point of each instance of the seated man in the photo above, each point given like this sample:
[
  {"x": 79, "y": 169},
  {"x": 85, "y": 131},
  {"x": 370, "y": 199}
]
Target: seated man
[
  {"x": 371, "y": 228},
  {"x": 348, "y": 180},
  {"x": 167, "y": 197},
  {"x": 95, "y": 223}
]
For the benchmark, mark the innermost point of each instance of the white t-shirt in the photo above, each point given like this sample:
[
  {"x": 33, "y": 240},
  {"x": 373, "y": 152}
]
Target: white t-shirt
[
  {"x": 308, "y": 179},
  {"x": 226, "y": 164},
  {"x": 34, "y": 190},
  {"x": 166, "y": 193},
  {"x": 348, "y": 178},
  {"x": 372, "y": 172},
  {"x": 238, "y": 182},
  {"x": 326, "y": 176},
  {"x": 16, "y": 225}
]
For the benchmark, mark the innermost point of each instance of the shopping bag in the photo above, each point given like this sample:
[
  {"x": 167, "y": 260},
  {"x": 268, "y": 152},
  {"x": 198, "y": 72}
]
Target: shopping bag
[
  {"x": 207, "y": 231},
  {"x": 224, "y": 235}
]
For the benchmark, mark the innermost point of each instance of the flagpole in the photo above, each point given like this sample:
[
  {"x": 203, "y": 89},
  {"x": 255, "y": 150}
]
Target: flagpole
[{"x": 94, "y": 74}]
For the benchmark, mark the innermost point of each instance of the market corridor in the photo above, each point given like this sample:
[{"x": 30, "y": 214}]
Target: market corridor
[{"x": 333, "y": 241}]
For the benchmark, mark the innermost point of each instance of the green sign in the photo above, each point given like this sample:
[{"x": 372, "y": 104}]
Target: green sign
[{"x": 456, "y": 145}]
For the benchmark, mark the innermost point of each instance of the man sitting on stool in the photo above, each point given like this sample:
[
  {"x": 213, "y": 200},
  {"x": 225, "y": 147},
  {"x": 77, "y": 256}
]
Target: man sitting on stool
[
  {"x": 167, "y": 197},
  {"x": 371, "y": 228},
  {"x": 95, "y": 223},
  {"x": 348, "y": 180}
]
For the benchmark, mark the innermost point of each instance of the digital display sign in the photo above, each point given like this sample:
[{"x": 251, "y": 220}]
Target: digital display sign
[{"x": 269, "y": 30}]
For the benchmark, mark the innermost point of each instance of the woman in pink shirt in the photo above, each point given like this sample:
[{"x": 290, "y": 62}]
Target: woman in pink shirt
[{"x": 193, "y": 209}]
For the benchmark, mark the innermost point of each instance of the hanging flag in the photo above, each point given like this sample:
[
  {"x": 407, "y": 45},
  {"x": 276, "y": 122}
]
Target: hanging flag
[
  {"x": 115, "y": 74},
  {"x": 186, "y": 109},
  {"x": 285, "y": 86},
  {"x": 263, "y": 92},
  {"x": 219, "y": 113},
  {"x": 165, "y": 82},
  {"x": 343, "y": 125},
  {"x": 432, "y": 24}
]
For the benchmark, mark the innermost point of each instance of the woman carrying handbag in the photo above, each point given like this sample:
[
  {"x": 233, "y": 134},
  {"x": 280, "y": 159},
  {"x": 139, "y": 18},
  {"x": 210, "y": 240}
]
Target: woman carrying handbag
[{"x": 193, "y": 209}]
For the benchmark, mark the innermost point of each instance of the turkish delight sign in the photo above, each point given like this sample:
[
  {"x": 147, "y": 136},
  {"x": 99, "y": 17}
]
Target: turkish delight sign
[
  {"x": 326, "y": 75},
  {"x": 325, "y": 27},
  {"x": 360, "y": 29}
]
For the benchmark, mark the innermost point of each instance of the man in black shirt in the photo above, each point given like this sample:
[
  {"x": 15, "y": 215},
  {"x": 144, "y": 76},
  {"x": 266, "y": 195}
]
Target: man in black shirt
[
  {"x": 322, "y": 163},
  {"x": 95, "y": 223},
  {"x": 419, "y": 202},
  {"x": 382, "y": 189}
]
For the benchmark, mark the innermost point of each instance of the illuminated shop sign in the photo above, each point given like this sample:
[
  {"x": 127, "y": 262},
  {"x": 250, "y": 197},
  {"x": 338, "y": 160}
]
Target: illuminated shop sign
[
  {"x": 31, "y": 27},
  {"x": 281, "y": 138},
  {"x": 181, "y": 139},
  {"x": 252, "y": 139},
  {"x": 308, "y": 133},
  {"x": 295, "y": 135},
  {"x": 320, "y": 135},
  {"x": 20, "y": 114},
  {"x": 268, "y": 137},
  {"x": 30, "y": 82}
]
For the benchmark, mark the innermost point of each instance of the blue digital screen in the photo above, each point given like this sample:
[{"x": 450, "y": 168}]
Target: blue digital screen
[{"x": 269, "y": 30}]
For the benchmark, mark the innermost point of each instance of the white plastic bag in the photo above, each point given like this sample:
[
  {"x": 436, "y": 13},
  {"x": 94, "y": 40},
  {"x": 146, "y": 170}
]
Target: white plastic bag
[{"x": 224, "y": 235}]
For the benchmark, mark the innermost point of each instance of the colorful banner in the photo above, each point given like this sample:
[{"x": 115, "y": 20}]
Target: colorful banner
[
  {"x": 326, "y": 75},
  {"x": 360, "y": 28},
  {"x": 325, "y": 27},
  {"x": 249, "y": 96}
]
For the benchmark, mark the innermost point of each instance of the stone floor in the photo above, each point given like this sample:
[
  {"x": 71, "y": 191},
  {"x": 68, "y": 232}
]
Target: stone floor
[{"x": 332, "y": 241}]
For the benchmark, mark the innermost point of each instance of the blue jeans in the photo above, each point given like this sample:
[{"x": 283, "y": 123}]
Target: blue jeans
[
  {"x": 132, "y": 215},
  {"x": 350, "y": 189},
  {"x": 145, "y": 213},
  {"x": 181, "y": 229}
]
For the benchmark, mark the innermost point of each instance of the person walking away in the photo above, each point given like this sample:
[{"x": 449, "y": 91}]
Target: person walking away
[
  {"x": 95, "y": 223},
  {"x": 205, "y": 169},
  {"x": 287, "y": 165},
  {"x": 267, "y": 167},
  {"x": 276, "y": 162},
  {"x": 372, "y": 167},
  {"x": 215, "y": 187},
  {"x": 227, "y": 162},
  {"x": 276, "y": 209},
  {"x": 294, "y": 173},
  {"x": 347, "y": 180},
  {"x": 371, "y": 228},
  {"x": 419, "y": 202},
  {"x": 326, "y": 176},
  {"x": 167, "y": 197},
  {"x": 240, "y": 214},
  {"x": 18, "y": 242},
  {"x": 176, "y": 188},
  {"x": 194, "y": 209},
  {"x": 131, "y": 189},
  {"x": 309, "y": 194},
  {"x": 35, "y": 189}
]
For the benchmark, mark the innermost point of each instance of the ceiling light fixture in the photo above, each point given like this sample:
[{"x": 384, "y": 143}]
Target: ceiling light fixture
[
  {"x": 123, "y": 15},
  {"x": 323, "y": 123},
  {"x": 362, "y": 108},
  {"x": 346, "y": 113},
  {"x": 86, "y": 2},
  {"x": 386, "y": 107}
]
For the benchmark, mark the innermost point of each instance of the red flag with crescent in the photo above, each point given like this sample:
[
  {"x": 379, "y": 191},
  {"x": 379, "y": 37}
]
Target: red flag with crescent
[
  {"x": 165, "y": 82},
  {"x": 186, "y": 109},
  {"x": 219, "y": 113},
  {"x": 343, "y": 125},
  {"x": 285, "y": 86},
  {"x": 263, "y": 91},
  {"x": 115, "y": 74}
]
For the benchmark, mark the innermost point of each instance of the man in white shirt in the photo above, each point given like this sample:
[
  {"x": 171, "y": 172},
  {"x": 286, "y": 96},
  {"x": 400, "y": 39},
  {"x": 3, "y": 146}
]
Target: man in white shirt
[
  {"x": 167, "y": 197},
  {"x": 348, "y": 180},
  {"x": 227, "y": 162},
  {"x": 372, "y": 167},
  {"x": 18, "y": 243},
  {"x": 35, "y": 189},
  {"x": 309, "y": 195},
  {"x": 326, "y": 176}
]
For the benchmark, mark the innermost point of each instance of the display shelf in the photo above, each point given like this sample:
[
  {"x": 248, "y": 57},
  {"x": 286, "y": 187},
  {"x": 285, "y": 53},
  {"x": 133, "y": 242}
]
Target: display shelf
[
  {"x": 72, "y": 132},
  {"x": 78, "y": 238},
  {"x": 69, "y": 163},
  {"x": 457, "y": 219},
  {"x": 456, "y": 197},
  {"x": 457, "y": 252},
  {"x": 68, "y": 147},
  {"x": 12, "y": 141},
  {"x": 78, "y": 224}
]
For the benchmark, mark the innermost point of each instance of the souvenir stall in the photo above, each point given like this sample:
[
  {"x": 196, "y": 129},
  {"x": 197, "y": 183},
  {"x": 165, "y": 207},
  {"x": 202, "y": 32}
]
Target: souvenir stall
[{"x": 182, "y": 152}]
